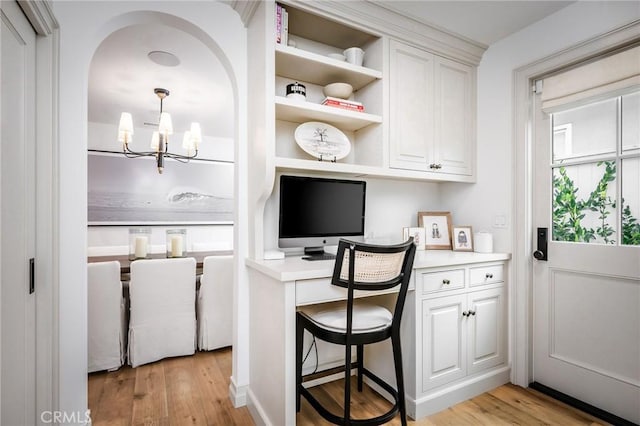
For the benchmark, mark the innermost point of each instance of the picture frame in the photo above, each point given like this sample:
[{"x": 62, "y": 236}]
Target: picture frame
[
  {"x": 462, "y": 238},
  {"x": 418, "y": 236},
  {"x": 437, "y": 226},
  {"x": 130, "y": 191}
]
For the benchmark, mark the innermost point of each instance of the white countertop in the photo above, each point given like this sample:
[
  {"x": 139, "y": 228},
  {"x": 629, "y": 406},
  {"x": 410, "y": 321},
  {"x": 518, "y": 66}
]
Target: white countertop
[{"x": 295, "y": 268}]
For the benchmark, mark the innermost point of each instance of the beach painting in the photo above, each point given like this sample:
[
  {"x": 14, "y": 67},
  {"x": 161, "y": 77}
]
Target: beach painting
[{"x": 130, "y": 191}]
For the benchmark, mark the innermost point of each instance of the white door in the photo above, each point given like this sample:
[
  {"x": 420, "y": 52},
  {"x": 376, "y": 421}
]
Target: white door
[
  {"x": 587, "y": 294},
  {"x": 17, "y": 178}
]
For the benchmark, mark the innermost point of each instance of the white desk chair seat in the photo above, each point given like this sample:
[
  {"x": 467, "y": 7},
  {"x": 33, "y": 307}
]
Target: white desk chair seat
[
  {"x": 215, "y": 303},
  {"x": 106, "y": 317},
  {"x": 163, "y": 321},
  {"x": 366, "y": 318}
]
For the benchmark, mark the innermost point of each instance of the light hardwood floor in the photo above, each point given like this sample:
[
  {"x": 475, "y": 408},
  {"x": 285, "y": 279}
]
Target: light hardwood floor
[{"x": 193, "y": 390}]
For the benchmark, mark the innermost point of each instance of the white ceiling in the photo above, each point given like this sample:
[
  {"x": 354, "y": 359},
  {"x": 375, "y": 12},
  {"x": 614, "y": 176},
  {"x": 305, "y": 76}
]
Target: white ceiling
[
  {"x": 482, "y": 21},
  {"x": 122, "y": 77}
]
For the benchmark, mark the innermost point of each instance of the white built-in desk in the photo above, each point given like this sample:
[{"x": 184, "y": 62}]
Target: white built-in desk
[{"x": 444, "y": 286}]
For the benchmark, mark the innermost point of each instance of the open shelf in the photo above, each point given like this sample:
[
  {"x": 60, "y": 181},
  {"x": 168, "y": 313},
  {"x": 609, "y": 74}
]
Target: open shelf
[
  {"x": 284, "y": 164},
  {"x": 300, "y": 112},
  {"x": 298, "y": 64}
]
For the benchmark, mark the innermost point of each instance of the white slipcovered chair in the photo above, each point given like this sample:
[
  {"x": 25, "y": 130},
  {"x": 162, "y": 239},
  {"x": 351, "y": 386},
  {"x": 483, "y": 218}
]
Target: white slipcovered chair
[
  {"x": 163, "y": 319},
  {"x": 215, "y": 303},
  {"x": 106, "y": 312}
]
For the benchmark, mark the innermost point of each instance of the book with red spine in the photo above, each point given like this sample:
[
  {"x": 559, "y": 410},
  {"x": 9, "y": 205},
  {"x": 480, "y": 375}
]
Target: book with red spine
[{"x": 343, "y": 103}]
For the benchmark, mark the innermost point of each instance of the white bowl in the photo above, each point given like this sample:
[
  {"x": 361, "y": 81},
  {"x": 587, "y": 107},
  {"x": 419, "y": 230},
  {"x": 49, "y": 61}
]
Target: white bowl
[
  {"x": 337, "y": 56},
  {"x": 338, "y": 90}
]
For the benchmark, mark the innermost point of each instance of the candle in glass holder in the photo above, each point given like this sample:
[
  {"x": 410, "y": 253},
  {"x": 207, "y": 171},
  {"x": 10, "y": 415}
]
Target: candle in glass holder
[
  {"x": 139, "y": 243},
  {"x": 176, "y": 239}
]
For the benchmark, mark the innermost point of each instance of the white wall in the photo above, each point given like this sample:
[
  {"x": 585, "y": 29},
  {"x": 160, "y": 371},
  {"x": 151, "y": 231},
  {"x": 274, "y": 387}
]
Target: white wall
[
  {"x": 479, "y": 204},
  {"x": 390, "y": 206},
  {"x": 111, "y": 240},
  {"x": 83, "y": 26}
]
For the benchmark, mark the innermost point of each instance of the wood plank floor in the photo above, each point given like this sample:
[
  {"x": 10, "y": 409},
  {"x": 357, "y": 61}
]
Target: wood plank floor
[{"x": 193, "y": 390}]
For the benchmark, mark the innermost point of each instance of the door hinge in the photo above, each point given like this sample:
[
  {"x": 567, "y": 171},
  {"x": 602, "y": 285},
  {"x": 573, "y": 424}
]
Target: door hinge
[{"x": 32, "y": 275}]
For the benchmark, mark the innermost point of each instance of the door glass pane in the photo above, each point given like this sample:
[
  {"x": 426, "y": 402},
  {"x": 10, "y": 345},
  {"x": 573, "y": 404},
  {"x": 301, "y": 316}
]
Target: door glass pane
[
  {"x": 585, "y": 131},
  {"x": 630, "y": 221},
  {"x": 631, "y": 121},
  {"x": 584, "y": 203}
]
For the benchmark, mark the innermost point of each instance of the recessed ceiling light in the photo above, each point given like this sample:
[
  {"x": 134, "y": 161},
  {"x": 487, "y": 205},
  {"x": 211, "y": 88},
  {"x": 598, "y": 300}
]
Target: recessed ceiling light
[{"x": 164, "y": 58}]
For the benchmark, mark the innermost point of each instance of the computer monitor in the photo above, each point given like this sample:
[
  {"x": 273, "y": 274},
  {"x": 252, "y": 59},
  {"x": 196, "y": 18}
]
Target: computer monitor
[{"x": 315, "y": 212}]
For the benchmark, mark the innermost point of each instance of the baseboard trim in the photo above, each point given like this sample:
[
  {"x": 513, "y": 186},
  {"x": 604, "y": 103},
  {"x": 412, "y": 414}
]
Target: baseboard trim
[
  {"x": 255, "y": 409},
  {"x": 438, "y": 400},
  {"x": 581, "y": 405},
  {"x": 237, "y": 394}
]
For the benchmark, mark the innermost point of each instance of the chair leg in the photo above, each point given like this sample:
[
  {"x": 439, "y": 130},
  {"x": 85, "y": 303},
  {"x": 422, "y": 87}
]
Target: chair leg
[
  {"x": 360, "y": 366},
  {"x": 397, "y": 360},
  {"x": 299, "y": 342},
  {"x": 347, "y": 384}
]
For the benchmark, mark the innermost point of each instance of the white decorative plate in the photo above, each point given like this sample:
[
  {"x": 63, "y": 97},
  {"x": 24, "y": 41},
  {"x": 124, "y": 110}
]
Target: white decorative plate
[{"x": 322, "y": 141}]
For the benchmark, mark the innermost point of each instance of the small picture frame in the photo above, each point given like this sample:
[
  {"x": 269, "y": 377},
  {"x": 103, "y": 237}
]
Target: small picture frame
[
  {"x": 462, "y": 238},
  {"x": 417, "y": 234},
  {"x": 437, "y": 229}
]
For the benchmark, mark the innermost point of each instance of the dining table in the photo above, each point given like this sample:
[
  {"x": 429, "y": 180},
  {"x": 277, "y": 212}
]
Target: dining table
[{"x": 125, "y": 261}]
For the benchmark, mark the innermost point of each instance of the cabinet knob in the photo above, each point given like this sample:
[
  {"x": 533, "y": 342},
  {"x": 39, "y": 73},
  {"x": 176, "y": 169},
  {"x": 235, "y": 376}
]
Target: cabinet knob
[
  {"x": 446, "y": 282},
  {"x": 489, "y": 275}
]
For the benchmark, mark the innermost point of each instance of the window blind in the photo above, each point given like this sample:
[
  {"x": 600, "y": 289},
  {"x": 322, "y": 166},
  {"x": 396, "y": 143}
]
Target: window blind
[{"x": 610, "y": 75}]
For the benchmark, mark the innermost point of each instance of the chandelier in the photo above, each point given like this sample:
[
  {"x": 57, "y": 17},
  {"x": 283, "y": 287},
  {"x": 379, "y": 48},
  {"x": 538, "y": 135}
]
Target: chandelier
[{"x": 160, "y": 138}]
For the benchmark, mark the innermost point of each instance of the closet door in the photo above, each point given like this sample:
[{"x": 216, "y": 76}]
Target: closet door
[{"x": 17, "y": 217}]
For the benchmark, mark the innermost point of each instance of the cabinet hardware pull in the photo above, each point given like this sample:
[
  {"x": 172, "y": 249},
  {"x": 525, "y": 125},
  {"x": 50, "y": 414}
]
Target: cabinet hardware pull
[
  {"x": 465, "y": 313},
  {"x": 489, "y": 275},
  {"x": 472, "y": 312},
  {"x": 446, "y": 282}
]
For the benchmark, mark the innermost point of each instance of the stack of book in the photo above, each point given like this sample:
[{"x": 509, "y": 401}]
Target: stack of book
[
  {"x": 343, "y": 103},
  {"x": 282, "y": 25}
]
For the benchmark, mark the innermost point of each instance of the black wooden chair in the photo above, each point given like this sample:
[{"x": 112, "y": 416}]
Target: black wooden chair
[{"x": 359, "y": 323}]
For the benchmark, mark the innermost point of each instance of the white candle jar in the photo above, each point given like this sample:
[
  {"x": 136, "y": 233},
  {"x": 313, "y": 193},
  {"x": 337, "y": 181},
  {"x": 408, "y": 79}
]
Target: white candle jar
[
  {"x": 176, "y": 242},
  {"x": 139, "y": 243}
]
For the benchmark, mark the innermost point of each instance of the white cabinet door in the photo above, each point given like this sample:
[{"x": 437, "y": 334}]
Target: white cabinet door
[
  {"x": 432, "y": 118},
  {"x": 485, "y": 325},
  {"x": 444, "y": 340},
  {"x": 411, "y": 107},
  {"x": 454, "y": 148}
]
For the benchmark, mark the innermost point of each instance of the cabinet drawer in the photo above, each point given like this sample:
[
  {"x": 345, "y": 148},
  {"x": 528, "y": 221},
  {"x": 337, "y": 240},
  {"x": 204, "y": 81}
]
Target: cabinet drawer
[
  {"x": 318, "y": 291},
  {"x": 321, "y": 290},
  {"x": 442, "y": 281},
  {"x": 486, "y": 275}
]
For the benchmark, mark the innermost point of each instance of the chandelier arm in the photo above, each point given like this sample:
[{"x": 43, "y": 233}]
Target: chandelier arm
[
  {"x": 132, "y": 154},
  {"x": 181, "y": 157}
]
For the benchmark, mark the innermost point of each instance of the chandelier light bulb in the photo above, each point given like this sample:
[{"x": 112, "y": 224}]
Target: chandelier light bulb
[
  {"x": 165, "y": 127},
  {"x": 160, "y": 138}
]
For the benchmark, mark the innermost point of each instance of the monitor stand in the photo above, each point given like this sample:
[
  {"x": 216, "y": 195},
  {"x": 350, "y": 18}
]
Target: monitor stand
[{"x": 317, "y": 253}]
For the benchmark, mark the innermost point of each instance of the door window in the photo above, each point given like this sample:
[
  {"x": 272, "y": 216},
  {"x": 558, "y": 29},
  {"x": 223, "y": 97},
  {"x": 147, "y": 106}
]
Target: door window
[{"x": 596, "y": 172}]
